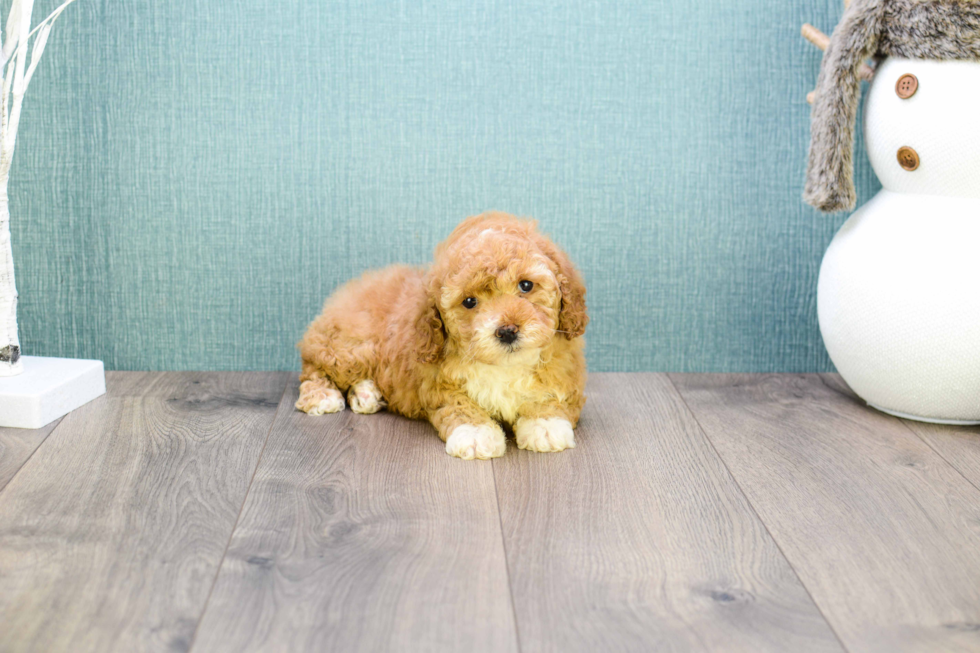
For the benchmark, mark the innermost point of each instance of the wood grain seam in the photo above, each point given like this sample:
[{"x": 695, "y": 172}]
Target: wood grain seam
[
  {"x": 755, "y": 512},
  {"x": 28, "y": 459},
  {"x": 937, "y": 452},
  {"x": 241, "y": 508},
  {"x": 503, "y": 543},
  {"x": 856, "y": 400},
  {"x": 830, "y": 386}
]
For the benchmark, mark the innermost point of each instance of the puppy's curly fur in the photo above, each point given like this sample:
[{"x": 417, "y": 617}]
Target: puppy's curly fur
[{"x": 413, "y": 341}]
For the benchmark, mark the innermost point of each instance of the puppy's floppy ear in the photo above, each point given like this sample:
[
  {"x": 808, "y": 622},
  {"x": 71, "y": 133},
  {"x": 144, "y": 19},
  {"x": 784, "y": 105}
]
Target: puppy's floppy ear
[
  {"x": 430, "y": 333},
  {"x": 573, "y": 317}
]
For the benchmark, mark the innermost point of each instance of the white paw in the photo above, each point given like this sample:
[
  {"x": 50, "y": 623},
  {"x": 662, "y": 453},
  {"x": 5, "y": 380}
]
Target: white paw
[
  {"x": 544, "y": 434},
  {"x": 483, "y": 442},
  {"x": 365, "y": 398},
  {"x": 320, "y": 402}
]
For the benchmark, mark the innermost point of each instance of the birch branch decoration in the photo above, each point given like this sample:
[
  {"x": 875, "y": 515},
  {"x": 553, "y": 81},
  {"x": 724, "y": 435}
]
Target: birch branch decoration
[{"x": 16, "y": 72}]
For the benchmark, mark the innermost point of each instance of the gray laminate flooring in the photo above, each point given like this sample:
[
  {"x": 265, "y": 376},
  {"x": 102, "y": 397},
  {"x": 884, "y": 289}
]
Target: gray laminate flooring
[{"x": 202, "y": 512}]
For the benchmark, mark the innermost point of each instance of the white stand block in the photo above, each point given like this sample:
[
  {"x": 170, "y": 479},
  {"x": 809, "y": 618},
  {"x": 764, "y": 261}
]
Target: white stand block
[{"x": 47, "y": 389}]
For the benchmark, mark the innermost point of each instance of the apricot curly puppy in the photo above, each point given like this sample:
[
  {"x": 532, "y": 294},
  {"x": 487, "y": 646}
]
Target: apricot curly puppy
[{"x": 488, "y": 334}]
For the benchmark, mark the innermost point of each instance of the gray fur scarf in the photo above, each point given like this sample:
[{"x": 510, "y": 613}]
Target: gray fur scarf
[{"x": 924, "y": 29}]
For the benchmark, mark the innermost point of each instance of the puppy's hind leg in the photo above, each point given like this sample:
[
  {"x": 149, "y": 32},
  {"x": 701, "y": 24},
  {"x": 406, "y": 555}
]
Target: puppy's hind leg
[
  {"x": 319, "y": 396},
  {"x": 364, "y": 397}
]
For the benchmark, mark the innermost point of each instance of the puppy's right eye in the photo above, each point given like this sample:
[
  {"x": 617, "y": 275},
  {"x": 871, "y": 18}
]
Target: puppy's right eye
[{"x": 469, "y": 302}]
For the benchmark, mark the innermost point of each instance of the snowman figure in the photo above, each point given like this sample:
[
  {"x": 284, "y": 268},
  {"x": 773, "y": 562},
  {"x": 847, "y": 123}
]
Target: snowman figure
[{"x": 898, "y": 298}]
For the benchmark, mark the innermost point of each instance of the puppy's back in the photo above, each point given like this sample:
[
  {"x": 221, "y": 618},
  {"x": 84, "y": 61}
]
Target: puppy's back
[
  {"x": 366, "y": 302},
  {"x": 355, "y": 316}
]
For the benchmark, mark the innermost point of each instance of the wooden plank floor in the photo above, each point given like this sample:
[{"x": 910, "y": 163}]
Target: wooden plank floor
[
  {"x": 883, "y": 532},
  {"x": 201, "y": 512},
  {"x": 17, "y": 446},
  {"x": 360, "y": 531},
  {"x": 645, "y": 542},
  {"x": 112, "y": 533}
]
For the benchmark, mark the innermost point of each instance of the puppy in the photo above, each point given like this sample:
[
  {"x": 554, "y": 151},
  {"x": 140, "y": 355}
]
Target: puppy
[{"x": 489, "y": 334}]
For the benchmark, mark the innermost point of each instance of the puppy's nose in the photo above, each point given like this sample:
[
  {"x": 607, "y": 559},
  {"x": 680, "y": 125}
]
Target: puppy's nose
[{"x": 507, "y": 333}]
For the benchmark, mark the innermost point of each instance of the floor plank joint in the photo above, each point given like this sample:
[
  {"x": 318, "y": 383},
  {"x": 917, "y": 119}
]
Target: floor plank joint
[
  {"x": 231, "y": 534},
  {"x": 18, "y": 446},
  {"x": 755, "y": 512}
]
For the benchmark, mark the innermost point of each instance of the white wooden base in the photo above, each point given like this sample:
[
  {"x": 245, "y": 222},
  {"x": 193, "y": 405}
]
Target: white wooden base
[{"x": 47, "y": 389}]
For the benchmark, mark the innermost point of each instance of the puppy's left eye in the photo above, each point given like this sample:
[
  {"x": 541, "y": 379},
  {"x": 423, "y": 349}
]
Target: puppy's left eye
[{"x": 526, "y": 286}]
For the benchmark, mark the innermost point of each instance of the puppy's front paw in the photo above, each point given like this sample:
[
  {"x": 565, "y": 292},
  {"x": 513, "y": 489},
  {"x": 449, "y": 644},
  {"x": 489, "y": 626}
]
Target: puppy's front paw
[
  {"x": 483, "y": 442},
  {"x": 365, "y": 398},
  {"x": 544, "y": 434},
  {"x": 318, "y": 398}
]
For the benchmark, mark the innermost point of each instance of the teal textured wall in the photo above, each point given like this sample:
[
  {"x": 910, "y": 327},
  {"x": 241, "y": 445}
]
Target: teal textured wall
[{"x": 193, "y": 177}]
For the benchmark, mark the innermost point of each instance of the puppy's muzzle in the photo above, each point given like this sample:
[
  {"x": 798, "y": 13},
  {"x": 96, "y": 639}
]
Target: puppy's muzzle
[{"x": 507, "y": 334}]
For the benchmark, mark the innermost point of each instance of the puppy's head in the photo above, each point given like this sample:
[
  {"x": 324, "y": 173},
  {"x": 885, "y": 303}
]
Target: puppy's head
[{"x": 501, "y": 292}]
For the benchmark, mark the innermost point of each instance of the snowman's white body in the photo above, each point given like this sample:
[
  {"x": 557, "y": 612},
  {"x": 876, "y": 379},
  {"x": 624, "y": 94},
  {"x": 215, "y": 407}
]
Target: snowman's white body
[{"x": 899, "y": 293}]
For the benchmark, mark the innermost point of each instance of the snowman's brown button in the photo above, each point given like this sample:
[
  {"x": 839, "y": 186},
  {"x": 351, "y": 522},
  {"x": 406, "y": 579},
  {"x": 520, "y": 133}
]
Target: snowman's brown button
[
  {"x": 908, "y": 158},
  {"x": 906, "y": 86}
]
